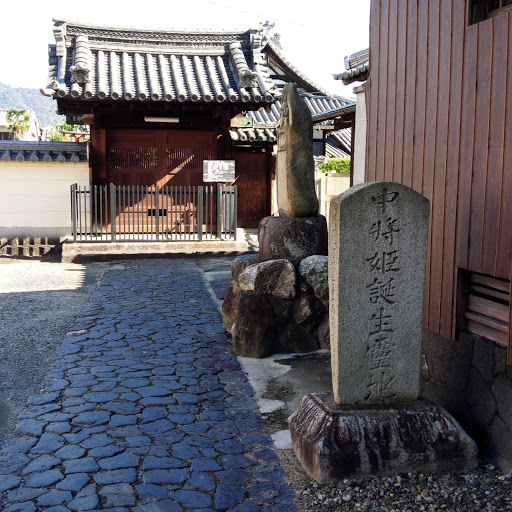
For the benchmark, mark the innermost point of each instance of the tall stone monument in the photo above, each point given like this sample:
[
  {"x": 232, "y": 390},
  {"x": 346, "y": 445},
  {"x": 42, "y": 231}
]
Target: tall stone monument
[
  {"x": 299, "y": 231},
  {"x": 377, "y": 262},
  {"x": 373, "y": 422}
]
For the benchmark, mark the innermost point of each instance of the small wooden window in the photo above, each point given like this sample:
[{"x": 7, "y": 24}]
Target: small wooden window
[
  {"x": 481, "y": 10},
  {"x": 132, "y": 157},
  {"x": 484, "y": 306}
]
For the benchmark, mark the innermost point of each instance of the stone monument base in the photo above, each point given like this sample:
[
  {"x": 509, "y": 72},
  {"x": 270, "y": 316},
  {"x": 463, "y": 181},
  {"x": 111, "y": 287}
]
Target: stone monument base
[
  {"x": 334, "y": 442},
  {"x": 292, "y": 239}
]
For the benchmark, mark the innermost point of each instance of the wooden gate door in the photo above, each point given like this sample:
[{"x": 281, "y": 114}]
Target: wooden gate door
[
  {"x": 252, "y": 181},
  {"x": 156, "y": 158}
]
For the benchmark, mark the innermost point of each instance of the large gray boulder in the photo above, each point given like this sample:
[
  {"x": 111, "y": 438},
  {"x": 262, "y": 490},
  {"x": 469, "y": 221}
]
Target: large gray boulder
[
  {"x": 292, "y": 239},
  {"x": 314, "y": 270},
  {"x": 276, "y": 277},
  {"x": 254, "y": 332},
  {"x": 242, "y": 262}
]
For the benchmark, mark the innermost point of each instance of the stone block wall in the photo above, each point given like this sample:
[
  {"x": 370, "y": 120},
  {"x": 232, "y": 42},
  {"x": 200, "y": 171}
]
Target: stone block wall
[{"x": 469, "y": 377}]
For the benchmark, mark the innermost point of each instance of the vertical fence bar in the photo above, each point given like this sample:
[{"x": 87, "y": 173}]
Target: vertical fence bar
[
  {"x": 219, "y": 213},
  {"x": 80, "y": 211},
  {"x": 146, "y": 217},
  {"x": 235, "y": 210},
  {"x": 211, "y": 212},
  {"x": 94, "y": 198},
  {"x": 85, "y": 212},
  {"x": 138, "y": 214},
  {"x": 200, "y": 213},
  {"x": 101, "y": 211},
  {"x": 187, "y": 212},
  {"x": 157, "y": 211},
  {"x": 112, "y": 212},
  {"x": 166, "y": 210},
  {"x": 194, "y": 214},
  {"x": 73, "y": 211}
]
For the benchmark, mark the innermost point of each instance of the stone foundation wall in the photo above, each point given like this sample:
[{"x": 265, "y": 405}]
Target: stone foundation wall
[{"x": 470, "y": 379}]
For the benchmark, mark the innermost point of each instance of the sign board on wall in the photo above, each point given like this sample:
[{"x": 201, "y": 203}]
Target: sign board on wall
[{"x": 222, "y": 171}]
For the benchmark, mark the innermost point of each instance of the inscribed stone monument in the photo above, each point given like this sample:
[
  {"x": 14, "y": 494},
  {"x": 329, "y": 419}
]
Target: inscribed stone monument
[
  {"x": 373, "y": 422},
  {"x": 377, "y": 256}
]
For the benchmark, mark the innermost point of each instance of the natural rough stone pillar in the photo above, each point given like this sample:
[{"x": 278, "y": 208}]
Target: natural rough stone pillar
[
  {"x": 377, "y": 255},
  {"x": 296, "y": 195}
]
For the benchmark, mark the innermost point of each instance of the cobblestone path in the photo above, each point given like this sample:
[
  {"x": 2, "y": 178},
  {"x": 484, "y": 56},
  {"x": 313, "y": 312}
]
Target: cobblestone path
[{"x": 145, "y": 410}]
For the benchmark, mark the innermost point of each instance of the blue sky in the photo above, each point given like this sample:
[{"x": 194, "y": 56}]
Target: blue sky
[{"x": 315, "y": 36}]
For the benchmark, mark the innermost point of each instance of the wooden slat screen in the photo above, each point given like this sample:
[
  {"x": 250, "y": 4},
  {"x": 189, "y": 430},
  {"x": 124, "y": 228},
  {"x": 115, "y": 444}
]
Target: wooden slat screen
[{"x": 486, "y": 309}]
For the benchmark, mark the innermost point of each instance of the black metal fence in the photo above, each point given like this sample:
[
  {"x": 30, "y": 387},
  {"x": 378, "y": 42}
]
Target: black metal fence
[{"x": 125, "y": 213}]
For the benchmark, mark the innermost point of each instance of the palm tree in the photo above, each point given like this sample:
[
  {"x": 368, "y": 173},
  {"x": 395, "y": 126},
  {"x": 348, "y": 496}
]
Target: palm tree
[{"x": 18, "y": 121}]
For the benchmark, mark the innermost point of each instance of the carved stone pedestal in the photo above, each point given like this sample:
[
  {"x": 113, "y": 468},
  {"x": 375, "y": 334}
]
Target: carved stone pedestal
[
  {"x": 292, "y": 238},
  {"x": 334, "y": 442}
]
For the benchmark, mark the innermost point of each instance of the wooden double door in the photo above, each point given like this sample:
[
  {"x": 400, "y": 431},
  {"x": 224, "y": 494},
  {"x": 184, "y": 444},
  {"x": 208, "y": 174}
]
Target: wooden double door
[{"x": 158, "y": 157}]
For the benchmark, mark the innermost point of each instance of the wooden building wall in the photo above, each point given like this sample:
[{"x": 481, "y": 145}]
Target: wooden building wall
[{"x": 440, "y": 121}]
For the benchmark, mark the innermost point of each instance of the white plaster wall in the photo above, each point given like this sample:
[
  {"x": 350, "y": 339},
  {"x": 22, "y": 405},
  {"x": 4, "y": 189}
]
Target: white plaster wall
[
  {"x": 328, "y": 186},
  {"x": 35, "y": 197},
  {"x": 360, "y": 136}
]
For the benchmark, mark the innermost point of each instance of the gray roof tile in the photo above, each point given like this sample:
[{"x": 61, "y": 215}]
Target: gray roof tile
[
  {"x": 265, "y": 122},
  {"x": 21, "y": 151}
]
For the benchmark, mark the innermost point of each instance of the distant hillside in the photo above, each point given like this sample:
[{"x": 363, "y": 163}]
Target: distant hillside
[{"x": 20, "y": 97}]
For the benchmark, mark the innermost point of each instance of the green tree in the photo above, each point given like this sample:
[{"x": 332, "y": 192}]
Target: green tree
[
  {"x": 18, "y": 121},
  {"x": 55, "y": 133}
]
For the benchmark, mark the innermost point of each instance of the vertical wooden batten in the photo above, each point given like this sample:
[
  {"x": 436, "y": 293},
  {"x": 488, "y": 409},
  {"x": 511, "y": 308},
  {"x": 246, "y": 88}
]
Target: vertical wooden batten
[{"x": 439, "y": 120}]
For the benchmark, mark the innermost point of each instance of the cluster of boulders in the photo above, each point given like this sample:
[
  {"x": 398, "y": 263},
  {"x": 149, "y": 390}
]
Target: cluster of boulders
[{"x": 276, "y": 307}]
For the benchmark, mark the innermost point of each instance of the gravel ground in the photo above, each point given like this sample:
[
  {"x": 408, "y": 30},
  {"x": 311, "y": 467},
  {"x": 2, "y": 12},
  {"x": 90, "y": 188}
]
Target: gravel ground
[
  {"x": 485, "y": 488},
  {"x": 39, "y": 301}
]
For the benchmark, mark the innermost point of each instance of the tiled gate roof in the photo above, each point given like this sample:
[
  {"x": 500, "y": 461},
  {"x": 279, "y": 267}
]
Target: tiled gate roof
[{"x": 89, "y": 62}]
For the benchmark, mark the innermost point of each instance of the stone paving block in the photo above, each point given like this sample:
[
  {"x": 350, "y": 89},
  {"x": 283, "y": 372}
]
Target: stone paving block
[
  {"x": 86, "y": 465},
  {"x": 115, "y": 476},
  {"x": 227, "y": 496},
  {"x": 43, "y": 399},
  {"x": 91, "y": 418},
  {"x": 18, "y": 445},
  {"x": 74, "y": 482},
  {"x": 54, "y": 497},
  {"x": 192, "y": 499},
  {"x": 165, "y": 476},
  {"x": 12, "y": 462},
  {"x": 25, "y": 493},
  {"x": 44, "y": 478},
  {"x": 151, "y": 462},
  {"x": 83, "y": 503},
  {"x": 124, "y": 460},
  {"x": 9, "y": 482},
  {"x": 30, "y": 427},
  {"x": 69, "y": 451},
  {"x": 22, "y": 507},
  {"x": 161, "y": 506},
  {"x": 201, "y": 480}
]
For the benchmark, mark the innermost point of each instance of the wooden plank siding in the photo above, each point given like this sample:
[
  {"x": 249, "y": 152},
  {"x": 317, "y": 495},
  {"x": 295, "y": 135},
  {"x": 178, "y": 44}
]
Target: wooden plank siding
[{"x": 439, "y": 106}]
